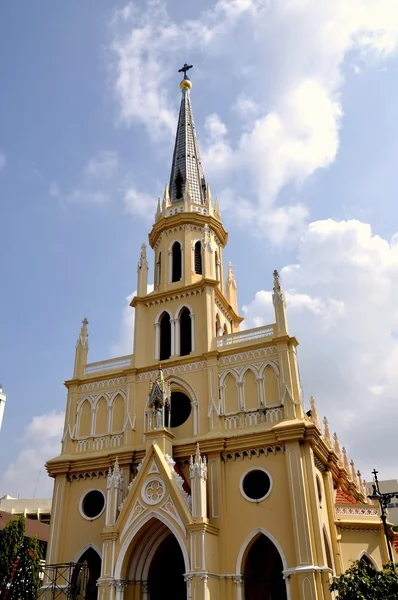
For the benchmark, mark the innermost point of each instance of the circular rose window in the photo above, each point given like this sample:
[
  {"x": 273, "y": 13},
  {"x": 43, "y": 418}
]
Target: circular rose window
[
  {"x": 92, "y": 504},
  {"x": 255, "y": 485},
  {"x": 153, "y": 491}
]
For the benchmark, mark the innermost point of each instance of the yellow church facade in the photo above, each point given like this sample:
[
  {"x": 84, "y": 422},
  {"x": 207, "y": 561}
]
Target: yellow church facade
[{"x": 190, "y": 468}]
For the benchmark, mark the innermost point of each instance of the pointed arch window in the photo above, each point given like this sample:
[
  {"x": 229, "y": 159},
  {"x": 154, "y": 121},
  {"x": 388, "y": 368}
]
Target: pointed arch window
[
  {"x": 165, "y": 337},
  {"x": 176, "y": 262},
  {"x": 198, "y": 258},
  {"x": 185, "y": 332},
  {"x": 159, "y": 269}
]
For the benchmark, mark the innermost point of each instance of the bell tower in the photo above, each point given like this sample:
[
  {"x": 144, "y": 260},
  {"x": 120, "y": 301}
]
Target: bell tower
[
  {"x": 187, "y": 240},
  {"x": 191, "y": 469}
]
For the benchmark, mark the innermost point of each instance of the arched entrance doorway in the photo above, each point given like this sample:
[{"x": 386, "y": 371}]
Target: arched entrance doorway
[
  {"x": 84, "y": 580},
  {"x": 166, "y": 572},
  {"x": 156, "y": 563},
  {"x": 263, "y": 577}
]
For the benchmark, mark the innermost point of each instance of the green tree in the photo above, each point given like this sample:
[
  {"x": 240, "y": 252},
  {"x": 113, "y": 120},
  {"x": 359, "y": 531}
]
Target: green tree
[
  {"x": 12, "y": 540},
  {"x": 19, "y": 563},
  {"x": 364, "y": 582}
]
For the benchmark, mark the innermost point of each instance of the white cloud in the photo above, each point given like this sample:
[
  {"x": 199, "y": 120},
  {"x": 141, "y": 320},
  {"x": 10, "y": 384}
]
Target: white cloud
[
  {"x": 289, "y": 57},
  {"x": 125, "y": 342},
  {"x": 78, "y": 195},
  {"x": 215, "y": 127},
  {"x": 103, "y": 166},
  {"x": 342, "y": 297},
  {"x": 96, "y": 184},
  {"x": 3, "y": 160},
  {"x": 40, "y": 441},
  {"x": 140, "y": 203}
]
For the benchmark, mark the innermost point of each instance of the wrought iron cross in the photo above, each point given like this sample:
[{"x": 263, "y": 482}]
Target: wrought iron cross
[{"x": 184, "y": 69}]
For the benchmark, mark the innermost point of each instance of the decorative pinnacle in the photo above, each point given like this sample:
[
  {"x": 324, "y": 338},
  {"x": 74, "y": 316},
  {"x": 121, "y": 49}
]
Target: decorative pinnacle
[
  {"x": 197, "y": 467},
  {"x": 326, "y": 433},
  {"x": 336, "y": 445}
]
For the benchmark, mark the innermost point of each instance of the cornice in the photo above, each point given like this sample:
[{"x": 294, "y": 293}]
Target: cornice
[
  {"x": 175, "y": 293},
  {"x": 287, "y": 431},
  {"x": 204, "y": 525},
  {"x": 187, "y": 218},
  {"x": 67, "y": 464}
]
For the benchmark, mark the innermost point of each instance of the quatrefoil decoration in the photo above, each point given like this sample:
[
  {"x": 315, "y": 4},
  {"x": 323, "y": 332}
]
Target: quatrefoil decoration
[{"x": 153, "y": 491}]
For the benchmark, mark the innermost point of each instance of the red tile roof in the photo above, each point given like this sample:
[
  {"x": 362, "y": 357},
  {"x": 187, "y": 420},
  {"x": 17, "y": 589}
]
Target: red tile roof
[
  {"x": 32, "y": 527},
  {"x": 343, "y": 498}
]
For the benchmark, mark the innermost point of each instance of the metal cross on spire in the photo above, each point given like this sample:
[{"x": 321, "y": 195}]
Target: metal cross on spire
[{"x": 184, "y": 70}]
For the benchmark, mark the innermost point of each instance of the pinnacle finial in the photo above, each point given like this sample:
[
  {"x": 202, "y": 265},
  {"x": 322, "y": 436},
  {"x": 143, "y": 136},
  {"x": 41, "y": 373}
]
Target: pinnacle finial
[
  {"x": 277, "y": 283},
  {"x": 185, "y": 84},
  {"x": 83, "y": 335},
  {"x": 184, "y": 70}
]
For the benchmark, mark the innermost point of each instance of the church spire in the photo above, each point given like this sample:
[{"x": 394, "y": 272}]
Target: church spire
[{"x": 187, "y": 165}]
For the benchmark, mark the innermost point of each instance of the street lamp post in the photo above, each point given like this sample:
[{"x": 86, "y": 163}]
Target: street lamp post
[{"x": 384, "y": 500}]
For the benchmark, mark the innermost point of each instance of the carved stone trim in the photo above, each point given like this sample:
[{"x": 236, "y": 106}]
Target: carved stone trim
[
  {"x": 249, "y": 355},
  {"x": 186, "y": 227},
  {"x": 196, "y": 366},
  {"x": 172, "y": 297},
  {"x": 97, "y": 385},
  {"x": 88, "y": 475},
  {"x": 319, "y": 464},
  {"x": 250, "y": 452},
  {"x": 357, "y": 512}
]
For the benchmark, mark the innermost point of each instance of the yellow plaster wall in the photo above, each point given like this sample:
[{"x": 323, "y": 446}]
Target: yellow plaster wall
[
  {"x": 77, "y": 531},
  {"x": 355, "y": 542}
]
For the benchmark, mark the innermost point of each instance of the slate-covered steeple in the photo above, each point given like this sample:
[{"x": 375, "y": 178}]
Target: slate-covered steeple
[{"x": 186, "y": 164}]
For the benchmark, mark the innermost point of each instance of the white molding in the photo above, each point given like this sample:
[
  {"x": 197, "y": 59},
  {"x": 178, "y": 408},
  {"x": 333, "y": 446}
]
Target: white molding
[{"x": 83, "y": 550}]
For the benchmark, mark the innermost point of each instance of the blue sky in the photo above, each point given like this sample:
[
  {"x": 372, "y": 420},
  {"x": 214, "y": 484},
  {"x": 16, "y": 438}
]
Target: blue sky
[{"x": 295, "y": 108}]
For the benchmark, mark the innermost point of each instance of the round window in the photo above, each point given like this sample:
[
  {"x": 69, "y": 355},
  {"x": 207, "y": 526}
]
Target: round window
[
  {"x": 92, "y": 504},
  {"x": 180, "y": 409},
  {"x": 255, "y": 485}
]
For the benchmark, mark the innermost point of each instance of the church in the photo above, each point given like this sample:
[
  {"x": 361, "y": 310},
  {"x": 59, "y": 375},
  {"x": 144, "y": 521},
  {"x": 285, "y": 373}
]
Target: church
[{"x": 190, "y": 469}]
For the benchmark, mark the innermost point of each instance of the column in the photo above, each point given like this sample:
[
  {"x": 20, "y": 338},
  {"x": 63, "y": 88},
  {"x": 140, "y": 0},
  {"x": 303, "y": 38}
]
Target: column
[
  {"x": 177, "y": 337},
  {"x": 238, "y": 581},
  {"x": 192, "y": 332},
  {"x": 173, "y": 341},
  {"x": 120, "y": 586},
  {"x": 157, "y": 340}
]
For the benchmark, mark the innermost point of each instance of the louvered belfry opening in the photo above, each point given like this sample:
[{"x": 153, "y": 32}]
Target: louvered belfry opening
[
  {"x": 176, "y": 262},
  {"x": 198, "y": 258},
  {"x": 159, "y": 269},
  {"x": 185, "y": 332},
  {"x": 165, "y": 337},
  {"x": 179, "y": 185}
]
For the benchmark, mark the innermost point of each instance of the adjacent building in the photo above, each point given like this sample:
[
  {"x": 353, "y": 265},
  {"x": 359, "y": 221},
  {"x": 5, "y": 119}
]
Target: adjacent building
[
  {"x": 36, "y": 509},
  {"x": 191, "y": 469},
  {"x": 3, "y": 398}
]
